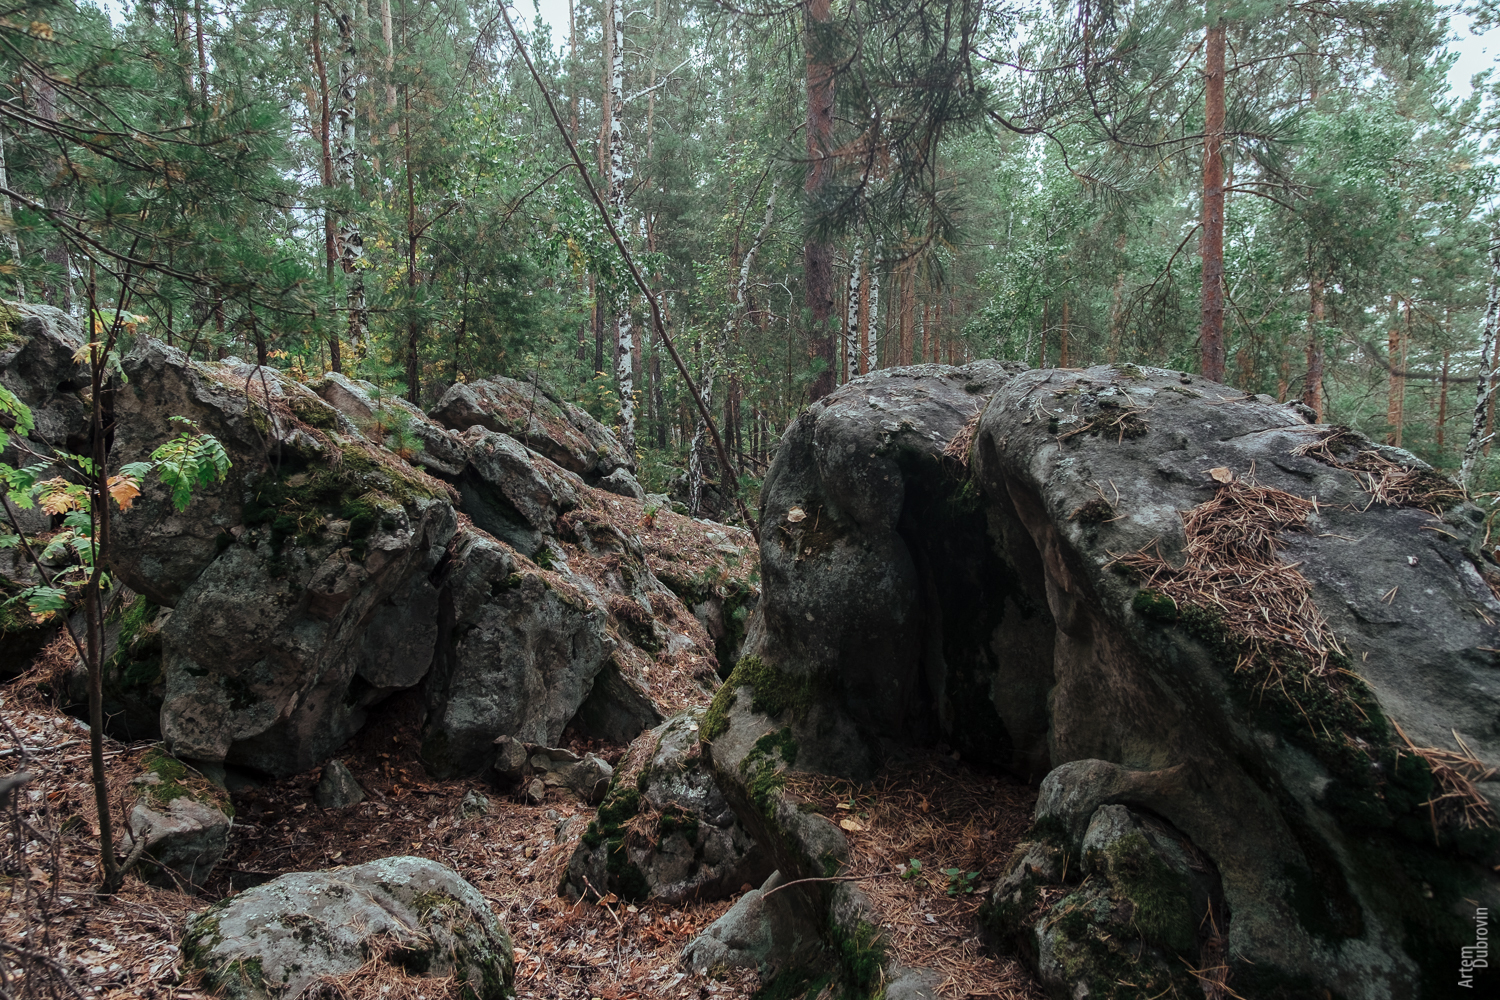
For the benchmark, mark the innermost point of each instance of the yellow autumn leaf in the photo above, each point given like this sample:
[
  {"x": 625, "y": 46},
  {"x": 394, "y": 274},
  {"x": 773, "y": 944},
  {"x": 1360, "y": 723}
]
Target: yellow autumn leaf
[
  {"x": 852, "y": 825},
  {"x": 55, "y": 497},
  {"x": 124, "y": 490}
]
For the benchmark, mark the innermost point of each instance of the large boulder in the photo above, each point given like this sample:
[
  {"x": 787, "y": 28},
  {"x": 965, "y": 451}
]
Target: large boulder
[
  {"x": 539, "y": 419},
  {"x": 518, "y": 659},
  {"x": 665, "y": 830},
  {"x": 1270, "y": 643},
  {"x": 278, "y": 939}
]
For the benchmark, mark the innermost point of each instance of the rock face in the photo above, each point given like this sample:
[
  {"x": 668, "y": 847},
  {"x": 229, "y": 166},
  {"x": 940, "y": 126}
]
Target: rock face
[
  {"x": 1073, "y": 588},
  {"x": 532, "y": 415},
  {"x": 359, "y": 548},
  {"x": 693, "y": 847},
  {"x": 277, "y": 939}
]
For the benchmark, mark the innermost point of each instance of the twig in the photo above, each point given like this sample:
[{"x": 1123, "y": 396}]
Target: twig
[{"x": 831, "y": 878}]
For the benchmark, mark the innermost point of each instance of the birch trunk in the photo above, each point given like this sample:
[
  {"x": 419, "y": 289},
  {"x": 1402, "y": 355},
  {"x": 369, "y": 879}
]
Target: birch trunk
[
  {"x": 852, "y": 312},
  {"x": 1487, "y": 372},
  {"x": 624, "y": 334},
  {"x": 872, "y": 322},
  {"x": 351, "y": 241},
  {"x": 8, "y": 223},
  {"x": 737, "y": 301}
]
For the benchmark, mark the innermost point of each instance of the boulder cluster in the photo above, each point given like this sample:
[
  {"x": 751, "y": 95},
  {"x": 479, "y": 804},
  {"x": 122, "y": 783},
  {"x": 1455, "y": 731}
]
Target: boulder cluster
[{"x": 1251, "y": 662}]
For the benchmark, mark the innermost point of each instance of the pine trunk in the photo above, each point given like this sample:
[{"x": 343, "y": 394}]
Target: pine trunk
[
  {"x": 1312, "y": 388},
  {"x": 330, "y": 235},
  {"x": 7, "y": 223},
  {"x": 1211, "y": 337},
  {"x": 817, "y": 253},
  {"x": 1395, "y": 400}
]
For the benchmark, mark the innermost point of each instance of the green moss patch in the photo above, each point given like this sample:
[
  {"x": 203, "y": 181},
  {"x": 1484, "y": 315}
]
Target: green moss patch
[{"x": 773, "y": 692}]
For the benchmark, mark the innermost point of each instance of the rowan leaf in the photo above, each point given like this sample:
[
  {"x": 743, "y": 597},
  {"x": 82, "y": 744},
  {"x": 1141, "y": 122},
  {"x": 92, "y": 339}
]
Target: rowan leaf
[{"x": 124, "y": 489}]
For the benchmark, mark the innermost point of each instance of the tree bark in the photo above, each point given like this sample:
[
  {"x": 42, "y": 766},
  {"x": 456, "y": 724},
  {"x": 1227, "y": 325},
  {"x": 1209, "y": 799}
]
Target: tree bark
[
  {"x": 1063, "y": 359},
  {"x": 1442, "y": 419},
  {"x": 8, "y": 223},
  {"x": 1211, "y": 336},
  {"x": 1312, "y": 387},
  {"x": 330, "y": 237},
  {"x": 817, "y": 254},
  {"x": 853, "y": 309},
  {"x": 624, "y": 332},
  {"x": 351, "y": 241},
  {"x": 1395, "y": 399}
]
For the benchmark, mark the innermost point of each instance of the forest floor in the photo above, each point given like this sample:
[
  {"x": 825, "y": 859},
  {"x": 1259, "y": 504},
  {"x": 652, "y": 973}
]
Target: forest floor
[{"x": 931, "y": 807}]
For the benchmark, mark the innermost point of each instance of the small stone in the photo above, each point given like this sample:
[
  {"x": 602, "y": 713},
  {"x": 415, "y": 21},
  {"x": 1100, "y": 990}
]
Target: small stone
[
  {"x": 536, "y": 790},
  {"x": 337, "y": 789},
  {"x": 473, "y": 804}
]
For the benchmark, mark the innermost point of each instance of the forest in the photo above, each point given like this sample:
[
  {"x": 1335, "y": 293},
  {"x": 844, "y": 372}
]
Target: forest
[{"x": 1288, "y": 198}]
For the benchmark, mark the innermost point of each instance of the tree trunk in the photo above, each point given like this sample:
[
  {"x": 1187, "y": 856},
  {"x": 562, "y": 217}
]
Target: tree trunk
[
  {"x": 8, "y": 223},
  {"x": 1485, "y": 388},
  {"x": 1442, "y": 420},
  {"x": 413, "y": 323},
  {"x": 624, "y": 332},
  {"x": 1395, "y": 398},
  {"x": 817, "y": 254},
  {"x": 330, "y": 237},
  {"x": 351, "y": 241},
  {"x": 1312, "y": 387},
  {"x": 1041, "y": 358},
  {"x": 906, "y": 328},
  {"x": 1211, "y": 337},
  {"x": 853, "y": 310},
  {"x": 1063, "y": 359}
]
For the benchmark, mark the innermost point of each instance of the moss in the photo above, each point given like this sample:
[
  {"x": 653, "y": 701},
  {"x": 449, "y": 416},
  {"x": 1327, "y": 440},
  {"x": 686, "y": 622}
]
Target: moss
[
  {"x": 763, "y": 784},
  {"x": 315, "y": 413},
  {"x": 794, "y": 984},
  {"x": 716, "y": 719},
  {"x": 779, "y": 744},
  {"x": 1130, "y": 371},
  {"x": 677, "y": 820},
  {"x": 1162, "y": 897},
  {"x": 171, "y": 774},
  {"x": 861, "y": 958}
]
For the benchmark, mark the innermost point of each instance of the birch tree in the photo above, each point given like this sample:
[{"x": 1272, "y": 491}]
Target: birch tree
[
  {"x": 346, "y": 156},
  {"x": 1489, "y": 370},
  {"x": 624, "y": 335}
]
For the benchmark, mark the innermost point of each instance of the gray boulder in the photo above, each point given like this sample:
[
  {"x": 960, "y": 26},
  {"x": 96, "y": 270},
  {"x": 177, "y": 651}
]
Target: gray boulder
[
  {"x": 521, "y": 656},
  {"x": 759, "y": 932},
  {"x": 693, "y": 847},
  {"x": 337, "y": 787},
  {"x": 179, "y": 821},
  {"x": 539, "y": 419},
  {"x": 512, "y": 492},
  {"x": 623, "y": 483},
  {"x": 275, "y": 940}
]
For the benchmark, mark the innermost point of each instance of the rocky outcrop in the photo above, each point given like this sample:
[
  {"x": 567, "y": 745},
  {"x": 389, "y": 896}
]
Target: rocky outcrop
[
  {"x": 1063, "y": 573},
  {"x": 359, "y": 548},
  {"x": 537, "y": 418},
  {"x": 276, "y": 940},
  {"x": 665, "y": 830}
]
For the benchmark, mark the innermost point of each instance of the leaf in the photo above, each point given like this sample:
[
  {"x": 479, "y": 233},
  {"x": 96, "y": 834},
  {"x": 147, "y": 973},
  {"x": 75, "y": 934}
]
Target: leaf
[
  {"x": 796, "y": 514},
  {"x": 852, "y": 825},
  {"x": 1221, "y": 475},
  {"x": 58, "y": 496},
  {"x": 124, "y": 490}
]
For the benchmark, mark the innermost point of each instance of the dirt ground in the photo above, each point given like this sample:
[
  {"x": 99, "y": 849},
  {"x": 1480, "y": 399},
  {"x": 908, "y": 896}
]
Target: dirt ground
[{"x": 63, "y": 938}]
